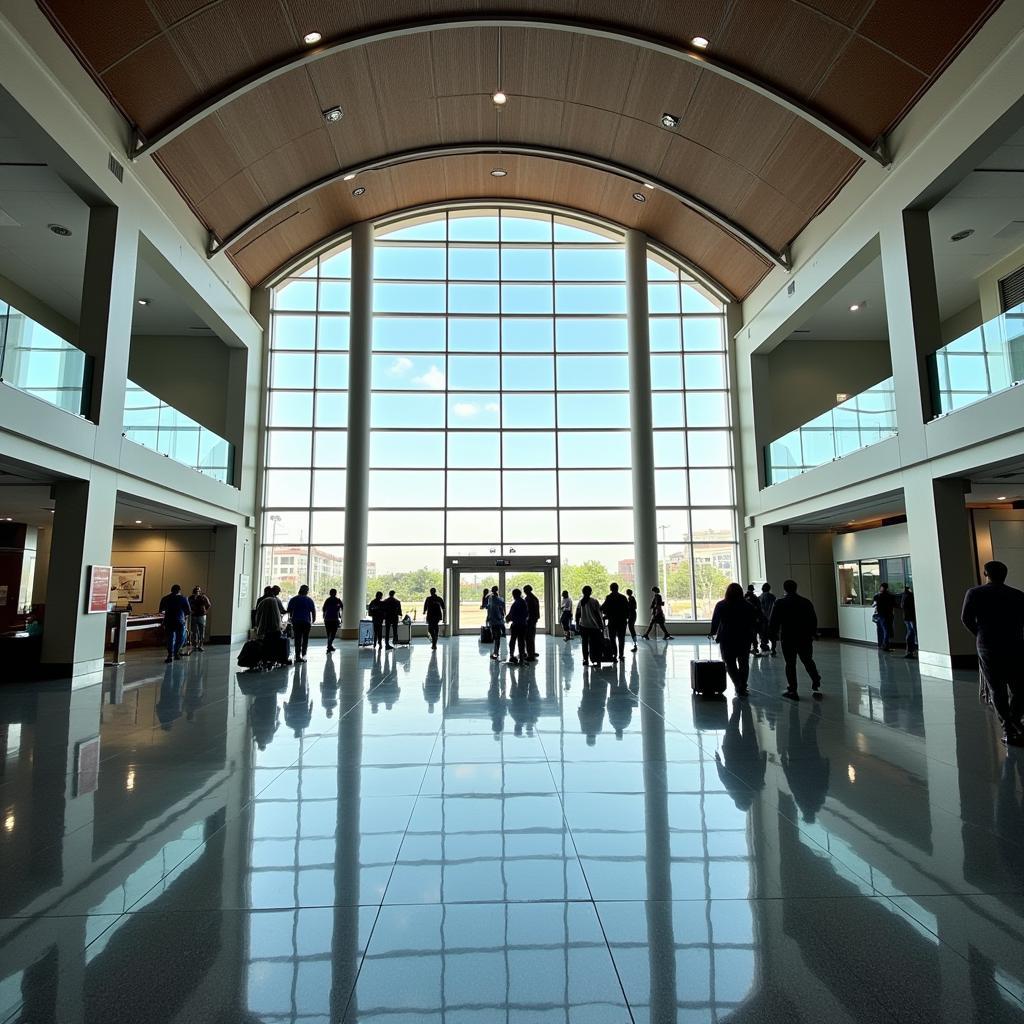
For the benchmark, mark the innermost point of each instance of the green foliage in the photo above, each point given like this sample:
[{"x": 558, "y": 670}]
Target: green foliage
[
  {"x": 590, "y": 573},
  {"x": 410, "y": 587}
]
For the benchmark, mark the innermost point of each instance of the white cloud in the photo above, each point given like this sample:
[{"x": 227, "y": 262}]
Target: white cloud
[
  {"x": 491, "y": 406},
  {"x": 401, "y": 365},
  {"x": 433, "y": 379},
  {"x": 465, "y": 409}
]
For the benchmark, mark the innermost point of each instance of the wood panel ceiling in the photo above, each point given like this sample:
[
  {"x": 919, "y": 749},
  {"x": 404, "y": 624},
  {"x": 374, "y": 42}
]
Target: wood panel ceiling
[{"x": 861, "y": 63}]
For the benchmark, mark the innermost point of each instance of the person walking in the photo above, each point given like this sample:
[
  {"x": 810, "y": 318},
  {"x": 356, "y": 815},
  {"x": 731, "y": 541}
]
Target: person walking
[
  {"x": 198, "y": 607},
  {"x": 615, "y": 610},
  {"x": 994, "y": 613},
  {"x": 174, "y": 608},
  {"x": 268, "y": 623},
  {"x": 392, "y": 613},
  {"x": 794, "y": 619},
  {"x": 302, "y": 614},
  {"x": 333, "y": 612},
  {"x": 375, "y": 609},
  {"x": 495, "y": 607},
  {"x": 631, "y": 617},
  {"x": 591, "y": 627},
  {"x": 734, "y": 625},
  {"x": 433, "y": 612},
  {"x": 533, "y": 604},
  {"x": 566, "y": 615},
  {"x": 884, "y": 604},
  {"x": 519, "y": 619},
  {"x": 767, "y": 603},
  {"x": 909, "y": 620},
  {"x": 751, "y": 598},
  {"x": 657, "y": 616}
]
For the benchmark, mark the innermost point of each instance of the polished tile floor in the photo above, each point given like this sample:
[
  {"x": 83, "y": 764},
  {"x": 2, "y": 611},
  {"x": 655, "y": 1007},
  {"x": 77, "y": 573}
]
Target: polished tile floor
[{"x": 433, "y": 837}]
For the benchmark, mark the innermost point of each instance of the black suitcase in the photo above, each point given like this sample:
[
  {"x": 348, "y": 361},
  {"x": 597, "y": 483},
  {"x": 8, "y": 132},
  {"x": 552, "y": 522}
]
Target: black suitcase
[
  {"x": 486, "y": 636},
  {"x": 707, "y": 678},
  {"x": 251, "y": 654},
  {"x": 277, "y": 650},
  {"x": 609, "y": 649}
]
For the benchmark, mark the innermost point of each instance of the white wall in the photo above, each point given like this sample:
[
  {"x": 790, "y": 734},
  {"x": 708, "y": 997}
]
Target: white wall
[
  {"x": 999, "y": 536},
  {"x": 169, "y": 557}
]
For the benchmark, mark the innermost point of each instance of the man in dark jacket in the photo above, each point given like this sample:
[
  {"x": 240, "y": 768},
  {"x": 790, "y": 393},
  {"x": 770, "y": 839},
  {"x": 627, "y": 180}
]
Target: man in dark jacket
[
  {"x": 375, "y": 609},
  {"x": 519, "y": 617},
  {"x": 616, "y": 613},
  {"x": 755, "y": 605},
  {"x": 433, "y": 611},
  {"x": 392, "y": 609},
  {"x": 884, "y": 604},
  {"x": 174, "y": 609},
  {"x": 631, "y": 619},
  {"x": 994, "y": 613},
  {"x": 533, "y": 607},
  {"x": 794, "y": 620},
  {"x": 909, "y": 621},
  {"x": 767, "y": 602}
]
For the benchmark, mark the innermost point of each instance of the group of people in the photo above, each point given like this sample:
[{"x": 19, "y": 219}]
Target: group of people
[
  {"x": 269, "y": 615},
  {"x": 884, "y": 605},
  {"x": 184, "y": 621}
]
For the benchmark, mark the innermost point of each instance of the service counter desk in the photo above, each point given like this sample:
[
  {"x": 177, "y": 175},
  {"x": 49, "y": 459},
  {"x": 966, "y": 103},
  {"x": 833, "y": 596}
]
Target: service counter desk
[{"x": 142, "y": 630}]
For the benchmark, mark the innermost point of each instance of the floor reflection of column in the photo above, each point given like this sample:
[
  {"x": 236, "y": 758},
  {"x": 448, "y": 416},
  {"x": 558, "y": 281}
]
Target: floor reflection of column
[{"x": 661, "y": 942}]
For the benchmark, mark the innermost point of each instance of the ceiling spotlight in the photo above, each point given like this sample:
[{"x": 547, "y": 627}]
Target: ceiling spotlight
[
  {"x": 138, "y": 522},
  {"x": 349, "y": 177},
  {"x": 333, "y": 114},
  {"x": 700, "y": 42},
  {"x": 142, "y": 302},
  {"x": 359, "y": 191},
  {"x": 647, "y": 184},
  {"x": 499, "y": 172},
  {"x": 1002, "y": 497},
  {"x": 499, "y": 99},
  {"x": 640, "y": 197},
  {"x": 856, "y": 306},
  {"x": 59, "y": 229},
  {"x": 961, "y": 235},
  {"x": 311, "y": 38},
  {"x": 841, "y": 396},
  {"x": 670, "y": 121}
]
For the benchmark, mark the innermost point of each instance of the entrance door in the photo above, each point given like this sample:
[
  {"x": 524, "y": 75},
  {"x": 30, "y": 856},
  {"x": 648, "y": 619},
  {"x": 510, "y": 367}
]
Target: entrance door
[{"x": 468, "y": 578}]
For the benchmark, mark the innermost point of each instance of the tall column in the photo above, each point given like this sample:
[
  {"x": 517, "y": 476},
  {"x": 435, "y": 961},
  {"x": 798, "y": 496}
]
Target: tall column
[
  {"x": 357, "y": 473},
  {"x": 233, "y": 555},
  {"x": 645, "y": 519}
]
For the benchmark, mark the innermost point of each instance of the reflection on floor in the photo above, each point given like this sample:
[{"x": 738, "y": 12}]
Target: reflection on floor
[{"x": 434, "y": 837}]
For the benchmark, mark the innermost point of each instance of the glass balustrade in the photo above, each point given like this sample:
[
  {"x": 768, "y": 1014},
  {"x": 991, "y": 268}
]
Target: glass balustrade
[
  {"x": 988, "y": 359},
  {"x": 155, "y": 424},
  {"x": 37, "y": 361},
  {"x": 861, "y": 420}
]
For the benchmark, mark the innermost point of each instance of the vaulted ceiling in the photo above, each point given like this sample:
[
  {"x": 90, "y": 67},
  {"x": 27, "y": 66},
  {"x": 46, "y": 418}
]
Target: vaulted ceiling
[{"x": 774, "y": 116}]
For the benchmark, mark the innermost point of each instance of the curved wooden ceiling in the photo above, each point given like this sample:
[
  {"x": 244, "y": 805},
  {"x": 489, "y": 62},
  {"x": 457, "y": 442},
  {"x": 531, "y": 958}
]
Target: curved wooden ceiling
[{"x": 859, "y": 64}]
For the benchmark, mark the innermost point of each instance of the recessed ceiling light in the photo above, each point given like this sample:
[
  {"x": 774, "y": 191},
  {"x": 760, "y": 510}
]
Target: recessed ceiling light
[
  {"x": 856, "y": 306},
  {"x": 1002, "y": 497},
  {"x": 359, "y": 191},
  {"x": 9, "y": 519},
  {"x": 310, "y": 38},
  {"x": 138, "y": 522},
  {"x": 961, "y": 235},
  {"x": 700, "y": 42},
  {"x": 647, "y": 184},
  {"x": 499, "y": 98},
  {"x": 349, "y": 177},
  {"x": 841, "y": 396},
  {"x": 499, "y": 172},
  {"x": 59, "y": 229},
  {"x": 142, "y": 302},
  {"x": 640, "y": 197},
  {"x": 669, "y": 121},
  {"x": 333, "y": 114}
]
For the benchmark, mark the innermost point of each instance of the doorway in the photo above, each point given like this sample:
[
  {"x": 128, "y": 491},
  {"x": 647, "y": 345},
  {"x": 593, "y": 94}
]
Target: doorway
[{"x": 467, "y": 577}]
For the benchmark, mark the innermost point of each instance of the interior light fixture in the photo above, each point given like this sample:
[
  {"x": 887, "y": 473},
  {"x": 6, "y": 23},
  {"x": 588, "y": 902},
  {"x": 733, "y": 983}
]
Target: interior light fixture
[
  {"x": 312, "y": 38},
  {"x": 647, "y": 184},
  {"x": 841, "y": 396},
  {"x": 9, "y": 822},
  {"x": 851, "y": 773},
  {"x": 332, "y": 115},
  {"x": 499, "y": 99},
  {"x": 640, "y": 197},
  {"x": 700, "y": 42},
  {"x": 857, "y": 306},
  {"x": 499, "y": 172},
  {"x": 138, "y": 522},
  {"x": 142, "y": 302},
  {"x": 349, "y": 177},
  {"x": 959, "y": 236},
  {"x": 359, "y": 191},
  {"x": 670, "y": 121},
  {"x": 59, "y": 229},
  {"x": 1002, "y": 497}
]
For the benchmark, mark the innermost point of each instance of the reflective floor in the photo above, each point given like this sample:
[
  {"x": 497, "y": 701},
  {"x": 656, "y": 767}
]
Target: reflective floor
[{"x": 439, "y": 838}]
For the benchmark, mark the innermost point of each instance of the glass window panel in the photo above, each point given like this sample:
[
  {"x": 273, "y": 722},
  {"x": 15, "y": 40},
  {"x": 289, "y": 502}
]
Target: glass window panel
[
  {"x": 408, "y": 333},
  {"x": 528, "y": 411},
  {"x": 478, "y": 527},
  {"x": 409, "y": 263},
  {"x": 593, "y": 410},
  {"x": 472, "y": 227},
  {"x": 467, "y": 489},
  {"x": 420, "y": 488},
  {"x": 474, "y": 334},
  {"x": 472, "y": 411},
  {"x": 528, "y": 450},
  {"x": 525, "y": 226},
  {"x": 396, "y": 448},
  {"x": 333, "y": 333},
  {"x": 871, "y": 577},
  {"x": 288, "y": 448},
  {"x": 669, "y": 448},
  {"x": 419, "y": 526},
  {"x": 605, "y": 264},
  {"x": 283, "y": 527},
  {"x": 530, "y": 526},
  {"x": 473, "y": 264},
  {"x": 328, "y": 488},
  {"x": 409, "y": 570},
  {"x": 285, "y": 567},
  {"x": 290, "y": 409},
  {"x": 332, "y": 371},
  {"x": 338, "y": 263},
  {"x": 673, "y": 527},
  {"x": 332, "y": 409},
  {"x": 596, "y": 449},
  {"x": 528, "y": 373},
  {"x": 291, "y": 370},
  {"x": 522, "y": 334},
  {"x": 335, "y": 296},
  {"x": 576, "y": 488},
  {"x": 408, "y": 298},
  {"x": 670, "y": 486},
  {"x": 598, "y": 373},
  {"x": 406, "y": 410},
  {"x": 287, "y": 488},
  {"x": 595, "y": 565},
  {"x": 473, "y": 298},
  {"x": 711, "y": 487},
  {"x": 703, "y": 333},
  {"x": 710, "y": 448},
  {"x": 296, "y": 295},
  {"x": 530, "y": 489},
  {"x": 294, "y": 331},
  {"x": 590, "y": 335},
  {"x": 699, "y": 300},
  {"x": 325, "y": 569},
  {"x": 667, "y": 409},
  {"x": 704, "y": 371},
  {"x": 665, "y": 334},
  {"x": 715, "y": 567},
  {"x": 713, "y": 524},
  {"x": 330, "y": 448},
  {"x": 327, "y": 527},
  {"x": 663, "y": 297},
  {"x": 526, "y": 264},
  {"x": 420, "y": 373},
  {"x": 473, "y": 373},
  {"x": 666, "y": 373},
  {"x": 707, "y": 409},
  {"x": 659, "y": 269},
  {"x": 590, "y": 298},
  {"x": 849, "y": 583},
  {"x": 467, "y": 450},
  {"x": 597, "y": 524},
  {"x": 526, "y": 298},
  {"x": 431, "y": 227}
]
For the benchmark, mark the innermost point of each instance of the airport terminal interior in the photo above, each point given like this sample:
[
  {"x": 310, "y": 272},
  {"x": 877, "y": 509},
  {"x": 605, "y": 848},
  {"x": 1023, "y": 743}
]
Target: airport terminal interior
[{"x": 460, "y": 298}]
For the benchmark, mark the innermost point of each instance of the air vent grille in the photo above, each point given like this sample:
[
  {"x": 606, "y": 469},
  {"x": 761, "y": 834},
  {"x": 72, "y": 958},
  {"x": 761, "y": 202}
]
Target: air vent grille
[
  {"x": 1011, "y": 290},
  {"x": 116, "y": 167}
]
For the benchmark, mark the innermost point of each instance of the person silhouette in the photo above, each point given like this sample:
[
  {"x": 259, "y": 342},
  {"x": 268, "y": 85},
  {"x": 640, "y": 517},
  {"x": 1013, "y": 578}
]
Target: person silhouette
[
  {"x": 298, "y": 709},
  {"x": 497, "y": 704},
  {"x": 741, "y": 764},
  {"x": 620, "y": 703},
  {"x": 329, "y": 689},
  {"x": 432, "y": 683},
  {"x": 806, "y": 770},
  {"x": 592, "y": 707}
]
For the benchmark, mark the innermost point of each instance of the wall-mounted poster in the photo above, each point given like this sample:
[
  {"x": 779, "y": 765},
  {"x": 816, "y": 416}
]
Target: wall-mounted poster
[
  {"x": 98, "y": 596},
  {"x": 128, "y": 584}
]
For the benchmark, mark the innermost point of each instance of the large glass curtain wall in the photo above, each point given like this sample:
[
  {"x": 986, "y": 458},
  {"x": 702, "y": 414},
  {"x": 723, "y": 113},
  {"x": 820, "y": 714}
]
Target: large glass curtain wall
[{"x": 499, "y": 410}]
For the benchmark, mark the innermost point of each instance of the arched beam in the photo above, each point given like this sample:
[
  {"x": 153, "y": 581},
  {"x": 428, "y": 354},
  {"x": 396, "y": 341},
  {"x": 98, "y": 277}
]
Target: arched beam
[
  {"x": 142, "y": 146},
  {"x": 409, "y": 156}
]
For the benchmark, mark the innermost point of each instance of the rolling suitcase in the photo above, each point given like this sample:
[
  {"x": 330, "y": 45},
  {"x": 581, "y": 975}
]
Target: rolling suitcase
[
  {"x": 707, "y": 678},
  {"x": 609, "y": 650},
  {"x": 277, "y": 650},
  {"x": 251, "y": 654},
  {"x": 486, "y": 636}
]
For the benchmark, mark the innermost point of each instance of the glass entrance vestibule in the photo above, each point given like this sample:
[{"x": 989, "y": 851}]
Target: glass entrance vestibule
[{"x": 468, "y": 578}]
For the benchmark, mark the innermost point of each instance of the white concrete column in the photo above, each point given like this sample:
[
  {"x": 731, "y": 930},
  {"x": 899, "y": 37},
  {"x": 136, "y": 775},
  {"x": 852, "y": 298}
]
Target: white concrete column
[
  {"x": 357, "y": 473},
  {"x": 942, "y": 557},
  {"x": 233, "y": 556},
  {"x": 645, "y": 520}
]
